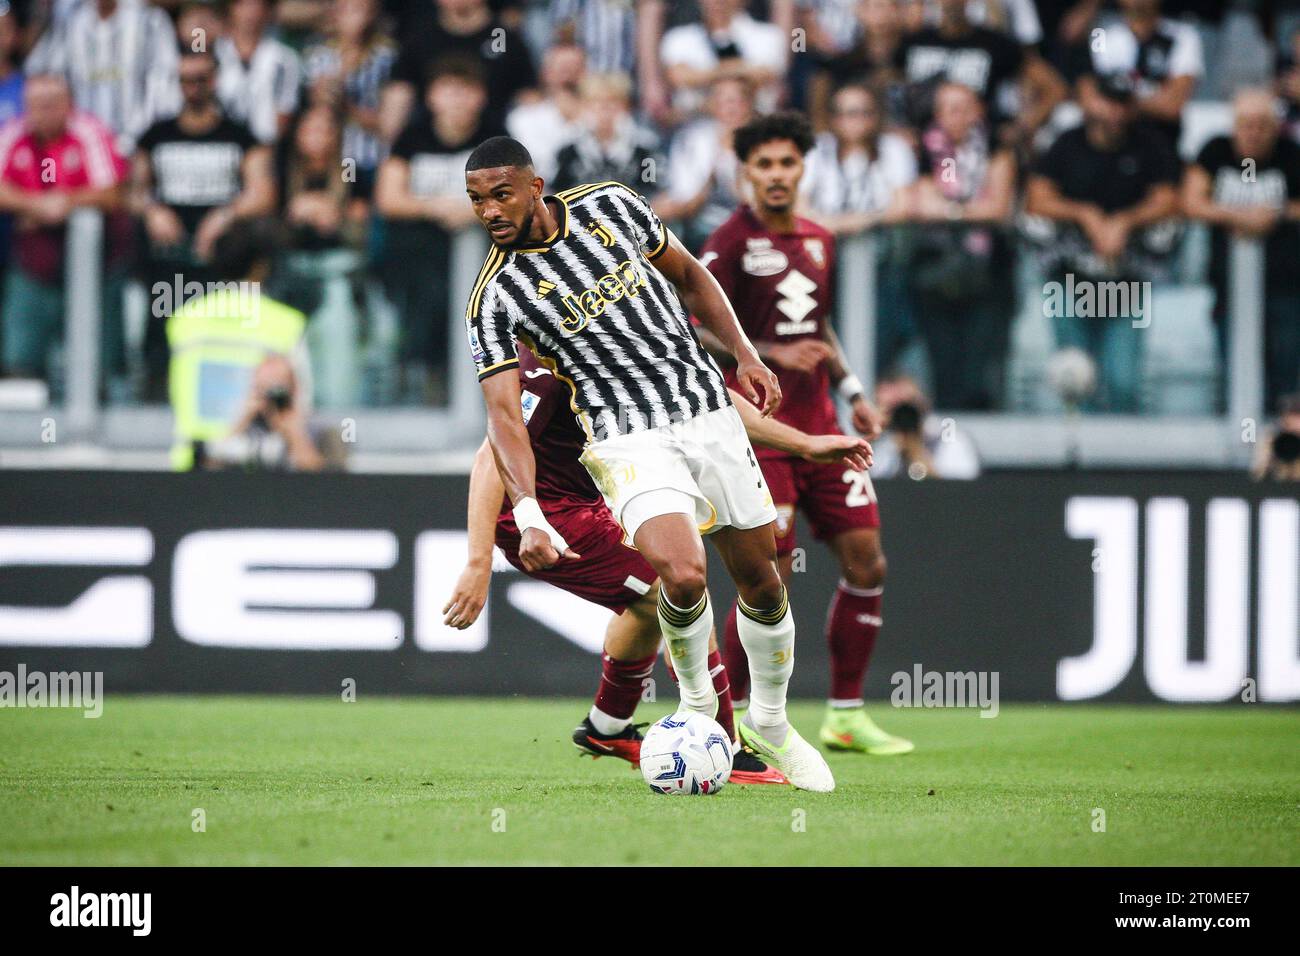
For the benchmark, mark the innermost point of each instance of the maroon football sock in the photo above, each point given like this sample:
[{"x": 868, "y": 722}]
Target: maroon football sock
[
  {"x": 852, "y": 623},
  {"x": 620, "y": 687},
  {"x": 737, "y": 662},
  {"x": 722, "y": 684}
]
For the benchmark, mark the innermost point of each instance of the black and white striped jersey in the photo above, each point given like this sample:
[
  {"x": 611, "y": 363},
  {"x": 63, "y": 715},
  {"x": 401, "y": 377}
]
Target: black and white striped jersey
[
  {"x": 121, "y": 67},
  {"x": 591, "y": 304}
]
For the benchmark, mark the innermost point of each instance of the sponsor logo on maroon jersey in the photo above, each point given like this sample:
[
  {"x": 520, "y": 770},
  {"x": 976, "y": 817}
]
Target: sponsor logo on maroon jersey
[
  {"x": 764, "y": 262},
  {"x": 796, "y": 302}
]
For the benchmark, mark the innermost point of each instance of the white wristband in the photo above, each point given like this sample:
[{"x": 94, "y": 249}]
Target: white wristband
[
  {"x": 528, "y": 514},
  {"x": 849, "y": 387}
]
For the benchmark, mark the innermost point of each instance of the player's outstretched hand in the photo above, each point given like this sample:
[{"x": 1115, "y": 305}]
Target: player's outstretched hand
[
  {"x": 537, "y": 553},
  {"x": 755, "y": 378},
  {"x": 831, "y": 449},
  {"x": 467, "y": 597}
]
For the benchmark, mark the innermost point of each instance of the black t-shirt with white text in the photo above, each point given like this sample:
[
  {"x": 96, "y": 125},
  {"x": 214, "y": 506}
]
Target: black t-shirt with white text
[
  {"x": 437, "y": 167},
  {"x": 982, "y": 59},
  {"x": 194, "y": 173},
  {"x": 502, "y": 52},
  {"x": 1271, "y": 181}
]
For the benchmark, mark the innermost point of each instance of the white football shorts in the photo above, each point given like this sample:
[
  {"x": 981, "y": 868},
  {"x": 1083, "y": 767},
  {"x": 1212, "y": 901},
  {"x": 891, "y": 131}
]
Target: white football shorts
[{"x": 704, "y": 467}]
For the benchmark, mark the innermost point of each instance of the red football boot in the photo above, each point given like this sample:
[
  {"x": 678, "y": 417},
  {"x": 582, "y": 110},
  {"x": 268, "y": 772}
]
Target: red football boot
[
  {"x": 749, "y": 769},
  {"x": 626, "y": 744}
]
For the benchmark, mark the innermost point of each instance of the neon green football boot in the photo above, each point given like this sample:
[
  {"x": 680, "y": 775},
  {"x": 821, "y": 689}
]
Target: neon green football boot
[
  {"x": 801, "y": 762},
  {"x": 849, "y": 728}
]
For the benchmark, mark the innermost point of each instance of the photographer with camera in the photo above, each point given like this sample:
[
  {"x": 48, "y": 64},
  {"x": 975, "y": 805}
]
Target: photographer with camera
[
  {"x": 272, "y": 432},
  {"x": 1279, "y": 456},
  {"x": 917, "y": 443},
  {"x": 238, "y": 355}
]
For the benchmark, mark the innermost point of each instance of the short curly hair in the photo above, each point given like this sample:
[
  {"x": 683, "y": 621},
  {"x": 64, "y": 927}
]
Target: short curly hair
[
  {"x": 763, "y": 129},
  {"x": 498, "y": 151}
]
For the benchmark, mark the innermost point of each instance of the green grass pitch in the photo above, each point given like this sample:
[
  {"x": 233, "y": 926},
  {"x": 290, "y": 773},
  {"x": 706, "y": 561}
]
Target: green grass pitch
[{"x": 476, "y": 781}]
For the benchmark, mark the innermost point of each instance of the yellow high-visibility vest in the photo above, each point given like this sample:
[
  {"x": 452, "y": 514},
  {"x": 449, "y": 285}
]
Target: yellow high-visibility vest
[{"x": 216, "y": 341}]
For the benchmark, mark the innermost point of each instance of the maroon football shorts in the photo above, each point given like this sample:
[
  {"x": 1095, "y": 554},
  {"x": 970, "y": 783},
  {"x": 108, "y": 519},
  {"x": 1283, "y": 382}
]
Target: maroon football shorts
[
  {"x": 608, "y": 573},
  {"x": 834, "y": 498}
]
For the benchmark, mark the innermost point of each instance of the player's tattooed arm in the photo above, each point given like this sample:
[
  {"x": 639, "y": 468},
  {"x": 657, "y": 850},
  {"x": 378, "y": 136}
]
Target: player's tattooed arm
[
  {"x": 540, "y": 545},
  {"x": 485, "y": 493},
  {"x": 855, "y": 453},
  {"x": 703, "y": 297}
]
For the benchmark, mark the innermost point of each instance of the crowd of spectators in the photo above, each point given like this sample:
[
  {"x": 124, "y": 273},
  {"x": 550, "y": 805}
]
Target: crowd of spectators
[{"x": 348, "y": 122}]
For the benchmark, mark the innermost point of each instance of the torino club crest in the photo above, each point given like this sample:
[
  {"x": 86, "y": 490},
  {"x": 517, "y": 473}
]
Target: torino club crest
[{"x": 816, "y": 250}]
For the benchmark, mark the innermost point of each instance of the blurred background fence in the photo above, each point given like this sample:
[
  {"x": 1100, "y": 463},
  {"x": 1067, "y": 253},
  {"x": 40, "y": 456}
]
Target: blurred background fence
[{"x": 355, "y": 367}]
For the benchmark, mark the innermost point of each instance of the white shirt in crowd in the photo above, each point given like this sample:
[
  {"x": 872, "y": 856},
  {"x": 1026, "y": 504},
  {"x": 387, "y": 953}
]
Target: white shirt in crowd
[
  {"x": 1016, "y": 17},
  {"x": 696, "y": 154},
  {"x": 543, "y": 129},
  {"x": 438, "y": 174},
  {"x": 855, "y": 183},
  {"x": 1173, "y": 50},
  {"x": 121, "y": 68},
  {"x": 256, "y": 93},
  {"x": 838, "y": 20},
  {"x": 951, "y": 450},
  {"x": 760, "y": 44}
]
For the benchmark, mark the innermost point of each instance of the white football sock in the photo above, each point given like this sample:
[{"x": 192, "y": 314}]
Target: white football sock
[
  {"x": 768, "y": 639},
  {"x": 604, "y": 723},
  {"x": 686, "y": 632}
]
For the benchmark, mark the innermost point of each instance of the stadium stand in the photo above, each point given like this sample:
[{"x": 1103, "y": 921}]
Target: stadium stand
[{"x": 346, "y": 94}]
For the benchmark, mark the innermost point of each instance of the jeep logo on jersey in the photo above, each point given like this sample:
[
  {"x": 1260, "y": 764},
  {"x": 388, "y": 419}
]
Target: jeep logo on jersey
[{"x": 626, "y": 279}]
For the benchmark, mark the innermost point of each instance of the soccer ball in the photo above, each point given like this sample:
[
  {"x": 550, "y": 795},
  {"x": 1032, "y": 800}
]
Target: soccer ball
[
  {"x": 1073, "y": 374},
  {"x": 686, "y": 753}
]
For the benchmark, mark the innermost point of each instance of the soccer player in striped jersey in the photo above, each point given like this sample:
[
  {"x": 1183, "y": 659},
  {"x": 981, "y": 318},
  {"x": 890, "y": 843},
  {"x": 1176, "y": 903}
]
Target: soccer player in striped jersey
[
  {"x": 596, "y": 284},
  {"x": 607, "y": 572},
  {"x": 778, "y": 271}
]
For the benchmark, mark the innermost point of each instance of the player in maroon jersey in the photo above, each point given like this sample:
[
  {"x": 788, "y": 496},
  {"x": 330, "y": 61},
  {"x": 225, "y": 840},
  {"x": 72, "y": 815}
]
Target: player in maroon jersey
[
  {"x": 605, "y": 571},
  {"x": 778, "y": 271}
]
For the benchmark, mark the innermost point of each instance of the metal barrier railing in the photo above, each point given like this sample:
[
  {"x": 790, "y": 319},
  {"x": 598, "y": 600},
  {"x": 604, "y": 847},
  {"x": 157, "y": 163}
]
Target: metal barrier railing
[
  {"x": 1245, "y": 358},
  {"x": 857, "y": 299},
  {"x": 459, "y": 424},
  {"x": 856, "y": 296},
  {"x": 83, "y": 276}
]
